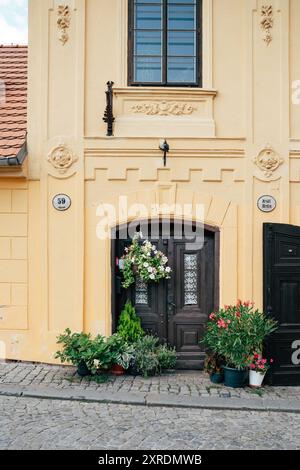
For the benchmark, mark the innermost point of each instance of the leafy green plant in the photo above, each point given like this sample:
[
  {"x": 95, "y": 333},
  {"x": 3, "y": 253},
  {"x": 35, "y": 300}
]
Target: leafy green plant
[
  {"x": 129, "y": 327},
  {"x": 166, "y": 357},
  {"x": 150, "y": 263},
  {"x": 150, "y": 358},
  {"x": 78, "y": 348},
  {"x": 213, "y": 362},
  {"x": 236, "y": 332},
  {"x": 101, "y": 355},
  {"x": 121, "y": 353}
]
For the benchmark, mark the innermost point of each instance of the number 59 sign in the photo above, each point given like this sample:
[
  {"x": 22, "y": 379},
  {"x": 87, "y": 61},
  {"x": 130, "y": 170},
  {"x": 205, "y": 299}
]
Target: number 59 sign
[{"x": 61, "y": 202}]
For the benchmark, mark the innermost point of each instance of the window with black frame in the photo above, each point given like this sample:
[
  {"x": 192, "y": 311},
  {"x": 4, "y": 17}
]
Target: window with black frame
[{"x": 165, "y": 42}]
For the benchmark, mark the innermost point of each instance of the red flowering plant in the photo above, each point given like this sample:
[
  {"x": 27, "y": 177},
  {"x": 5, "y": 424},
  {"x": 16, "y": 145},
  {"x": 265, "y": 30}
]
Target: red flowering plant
[
  {"x": 259, "y": 364},
  {"x": 235, "y": 332}
]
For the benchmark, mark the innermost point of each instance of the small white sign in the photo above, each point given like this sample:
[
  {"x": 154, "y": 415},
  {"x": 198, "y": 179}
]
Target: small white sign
[
  {"x": 266, "y": 203},
  {"x": 61, "y": 202}
]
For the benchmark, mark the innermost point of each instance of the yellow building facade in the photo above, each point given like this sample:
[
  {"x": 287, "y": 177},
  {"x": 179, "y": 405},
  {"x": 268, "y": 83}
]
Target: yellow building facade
[{"x": 233, "y": 138}]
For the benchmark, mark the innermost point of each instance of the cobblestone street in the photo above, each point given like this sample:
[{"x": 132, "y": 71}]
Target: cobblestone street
[
  {"x": 180, "y": 384},
  {"x": 46, "y": 424},
  {"x": 50, "y": 407}
]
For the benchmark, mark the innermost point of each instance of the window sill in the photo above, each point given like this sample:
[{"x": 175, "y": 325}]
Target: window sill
[{"x": 141, "y": 91}]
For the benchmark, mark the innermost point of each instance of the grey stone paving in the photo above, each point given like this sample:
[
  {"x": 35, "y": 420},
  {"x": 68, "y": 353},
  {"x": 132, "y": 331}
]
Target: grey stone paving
[
  {"x": 28, "y": 423},
  {"x": 173, "y": 385}
]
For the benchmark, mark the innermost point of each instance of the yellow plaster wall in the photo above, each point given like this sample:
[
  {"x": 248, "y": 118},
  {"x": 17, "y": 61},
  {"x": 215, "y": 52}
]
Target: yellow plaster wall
[
  {"x": 13, "y": 255},
  {"x": 64, "y": 280}
]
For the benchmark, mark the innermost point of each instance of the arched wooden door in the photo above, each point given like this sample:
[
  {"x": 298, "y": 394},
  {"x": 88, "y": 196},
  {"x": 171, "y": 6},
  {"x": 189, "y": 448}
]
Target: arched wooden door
[{"x": 176, "y": 310}]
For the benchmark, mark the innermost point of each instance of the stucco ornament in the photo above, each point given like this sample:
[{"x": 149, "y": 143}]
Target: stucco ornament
[
  {"x": 268, "y": 161},
  {"x": 62, "y": 158},
  {"x": 267, "y": 22},
  {"x": 63, "y": 23},
  {"x": 164, "y": 108}
]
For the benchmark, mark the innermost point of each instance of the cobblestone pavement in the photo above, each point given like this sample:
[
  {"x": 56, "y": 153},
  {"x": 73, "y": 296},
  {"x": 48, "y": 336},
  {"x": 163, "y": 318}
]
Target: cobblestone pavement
[
  {"x": 28, "y": 423},
  {"x": 179, "y": 384}
]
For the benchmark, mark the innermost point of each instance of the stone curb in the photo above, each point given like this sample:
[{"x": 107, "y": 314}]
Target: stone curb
[{"x": 154, "y": 400}]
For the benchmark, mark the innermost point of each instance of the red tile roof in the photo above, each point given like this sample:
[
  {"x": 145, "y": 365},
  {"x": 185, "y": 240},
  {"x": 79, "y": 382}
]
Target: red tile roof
[{"x": 13, "y": 99}]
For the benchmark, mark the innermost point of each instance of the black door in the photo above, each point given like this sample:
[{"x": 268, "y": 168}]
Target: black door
[
  {"x": 176, "y": 310},
  {"x": 282, "y": 300}
]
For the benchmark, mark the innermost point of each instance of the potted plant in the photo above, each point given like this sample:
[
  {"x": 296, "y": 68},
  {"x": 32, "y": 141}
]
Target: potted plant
[
  {"x": 151, "y": 358},
  {"x": 77, "y": 350},
  {"x": 234, "y": 332},
  {"x": 167, "y": 357},
  {"x": 101, "y": 357},
  {"x": 258, "y": 369},
  {"x": 129, "y": 326},
  {"x": 213, "y": 365},
  {"x": 91, "y": 356},
  {"x": 144, "y": 260},
  {"x": 121, "y": 354}
]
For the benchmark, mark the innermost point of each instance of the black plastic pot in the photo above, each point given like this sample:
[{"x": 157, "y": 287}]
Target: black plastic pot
[
  {"x": 235, "y": 378},
  {"x": 133, "y": 370},
  {"x": 83, "y": 369},
  {"x": 217, "y": 377}
]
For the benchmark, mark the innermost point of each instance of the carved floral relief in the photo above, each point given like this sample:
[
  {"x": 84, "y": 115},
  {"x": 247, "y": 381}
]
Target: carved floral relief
[
  {"x": 267, "y": 23},
  {"x": 63, "y": 23},
  {"x": 163, "y": 108}
]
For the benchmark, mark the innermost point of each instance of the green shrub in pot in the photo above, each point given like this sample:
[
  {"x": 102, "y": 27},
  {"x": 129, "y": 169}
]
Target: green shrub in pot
[{"x": 129, "y": 326}]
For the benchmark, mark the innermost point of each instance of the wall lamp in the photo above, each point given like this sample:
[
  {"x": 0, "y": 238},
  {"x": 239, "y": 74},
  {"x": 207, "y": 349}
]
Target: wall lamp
[{"x": 164, "y": 147}]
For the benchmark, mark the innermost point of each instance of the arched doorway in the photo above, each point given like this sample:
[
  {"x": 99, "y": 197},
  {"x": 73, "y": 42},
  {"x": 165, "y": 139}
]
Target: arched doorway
[{"x": 177, "y": 309}]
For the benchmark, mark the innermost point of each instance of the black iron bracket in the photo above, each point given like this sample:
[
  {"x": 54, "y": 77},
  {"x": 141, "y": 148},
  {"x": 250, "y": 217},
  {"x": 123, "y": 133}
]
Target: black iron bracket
[{"x": 109, "y": 114}]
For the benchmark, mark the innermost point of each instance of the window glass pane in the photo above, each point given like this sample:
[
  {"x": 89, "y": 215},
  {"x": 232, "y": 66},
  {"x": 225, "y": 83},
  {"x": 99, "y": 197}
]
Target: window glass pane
[
  {"x": 148, "y": 16},
  {"x": 182, "y": 43},
  {"x": 193, "y": 2},
  {"x": 181, "y": 70},
  {"x": 148, "y": 69},
  {"x": 150, "y": 1},
  {"x": 182, "y": 17},
  {"x": 141, "y": 292},
  {"x": 148, "y": 43},
  {"x": 190, "y": 279}
]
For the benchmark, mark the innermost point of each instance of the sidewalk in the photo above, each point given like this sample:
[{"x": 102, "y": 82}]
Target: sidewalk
[{"x": 181, "y": 389}]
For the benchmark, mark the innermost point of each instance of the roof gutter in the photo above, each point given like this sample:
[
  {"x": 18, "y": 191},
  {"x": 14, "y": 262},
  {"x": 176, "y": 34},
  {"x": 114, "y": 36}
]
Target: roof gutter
[{"x": 15, "y": 161}]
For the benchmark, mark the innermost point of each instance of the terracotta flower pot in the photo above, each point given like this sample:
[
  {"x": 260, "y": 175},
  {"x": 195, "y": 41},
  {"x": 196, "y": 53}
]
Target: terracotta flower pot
[{"x": 117, "y": 370}]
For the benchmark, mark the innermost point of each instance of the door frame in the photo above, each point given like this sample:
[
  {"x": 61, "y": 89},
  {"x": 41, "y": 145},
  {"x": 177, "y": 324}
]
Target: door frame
[{"x": 209, "y": 228}]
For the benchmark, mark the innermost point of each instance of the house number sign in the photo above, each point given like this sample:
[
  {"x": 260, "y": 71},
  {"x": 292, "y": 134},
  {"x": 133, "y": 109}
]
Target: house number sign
[
  {"x": 266, "y": 203},
  {"x": 61, "y": 202}
]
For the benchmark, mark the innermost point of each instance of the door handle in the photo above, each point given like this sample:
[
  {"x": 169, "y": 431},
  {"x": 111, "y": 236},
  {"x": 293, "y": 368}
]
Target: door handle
[{"x": 172, "y": 304}]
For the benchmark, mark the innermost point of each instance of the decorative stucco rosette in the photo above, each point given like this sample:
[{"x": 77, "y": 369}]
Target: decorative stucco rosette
[
  {"x": 268, "y": 161},
  {"x": 62, "y": 158}
]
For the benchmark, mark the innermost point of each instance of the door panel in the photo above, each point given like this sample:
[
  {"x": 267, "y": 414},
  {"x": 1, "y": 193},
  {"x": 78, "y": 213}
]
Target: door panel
[
  {"x": 282, "y": 298},
  {"x": 191, "y": 299}
]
